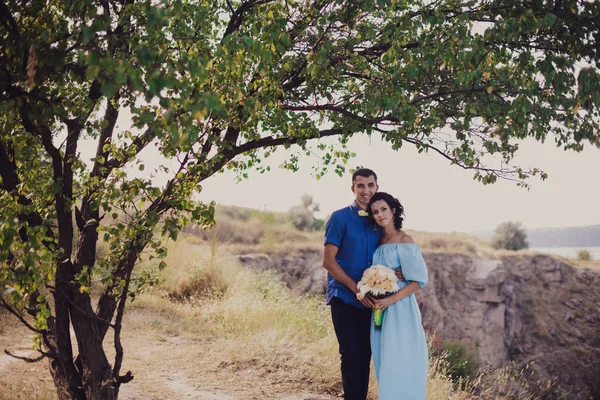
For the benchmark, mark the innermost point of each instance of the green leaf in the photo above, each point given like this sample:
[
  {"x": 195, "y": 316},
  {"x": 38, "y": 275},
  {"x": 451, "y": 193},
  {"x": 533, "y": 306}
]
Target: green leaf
[{"x": 109, "y": 90}]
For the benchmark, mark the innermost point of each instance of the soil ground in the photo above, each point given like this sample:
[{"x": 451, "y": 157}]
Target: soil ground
[{"x": 164, "y": 368}]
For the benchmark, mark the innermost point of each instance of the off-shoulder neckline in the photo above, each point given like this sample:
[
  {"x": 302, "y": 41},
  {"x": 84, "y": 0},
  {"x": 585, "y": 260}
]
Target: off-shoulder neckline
[{"x": 386, "y": 244}]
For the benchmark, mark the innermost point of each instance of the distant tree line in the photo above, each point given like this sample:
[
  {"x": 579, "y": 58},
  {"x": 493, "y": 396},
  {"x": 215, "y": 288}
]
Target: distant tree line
[{"x": 584, "y": 236}]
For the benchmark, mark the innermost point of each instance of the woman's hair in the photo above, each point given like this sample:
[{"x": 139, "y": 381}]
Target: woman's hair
[{"x": 393, "y": 203}]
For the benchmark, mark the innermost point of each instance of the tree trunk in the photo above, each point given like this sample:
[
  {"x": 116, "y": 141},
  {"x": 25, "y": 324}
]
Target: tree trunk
[
  {"x": 66, "y": 378},
  {"x": 96, "y": 372},
  {"x": 89, "y": 376}
]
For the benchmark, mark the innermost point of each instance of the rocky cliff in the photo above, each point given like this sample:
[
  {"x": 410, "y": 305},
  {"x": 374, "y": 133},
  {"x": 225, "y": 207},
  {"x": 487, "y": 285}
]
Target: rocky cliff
[{"x": 532, "y": 310}]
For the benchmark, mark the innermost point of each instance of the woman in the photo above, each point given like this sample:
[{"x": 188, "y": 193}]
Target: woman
[{"x": 399, "y": 348}]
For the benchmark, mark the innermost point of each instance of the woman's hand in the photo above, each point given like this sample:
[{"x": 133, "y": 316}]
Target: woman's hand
[
  {"x": 399, "y": 295},
  {"x": 384, "y": 303}
]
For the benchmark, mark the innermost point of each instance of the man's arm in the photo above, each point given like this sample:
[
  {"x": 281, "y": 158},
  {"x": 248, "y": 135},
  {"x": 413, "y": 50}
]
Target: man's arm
[{"x": 332, "y": 266}]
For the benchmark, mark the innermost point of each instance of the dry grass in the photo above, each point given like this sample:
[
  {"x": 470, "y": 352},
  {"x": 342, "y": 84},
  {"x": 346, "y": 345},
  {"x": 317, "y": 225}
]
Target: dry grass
[
  {"x": 448, "y": 242},
  {"x": 27, "y": 389},
  {"x": 590, "y": 265},
  {"x": 223, "y": 328},
  {"x": 245, "y": 230},
  {"x": 7, "y": 324},
  {"x": 504, "y": 383},
  {"x": 18, "y": 380},
  {"x": 287, "y": 338}
]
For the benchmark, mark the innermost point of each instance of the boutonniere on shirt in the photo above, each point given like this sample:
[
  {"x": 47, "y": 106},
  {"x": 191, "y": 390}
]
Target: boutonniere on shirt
[{"x": 363, "y": 213}]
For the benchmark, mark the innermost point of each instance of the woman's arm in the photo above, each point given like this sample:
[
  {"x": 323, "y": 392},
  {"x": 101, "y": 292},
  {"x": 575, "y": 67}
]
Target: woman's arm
[{"x": 407, "y": 290}]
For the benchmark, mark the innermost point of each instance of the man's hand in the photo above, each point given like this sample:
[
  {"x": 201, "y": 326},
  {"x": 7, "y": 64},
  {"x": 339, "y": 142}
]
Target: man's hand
[
  {"x": 368, "y": 301},
  {"x": 399, "y": 275}
]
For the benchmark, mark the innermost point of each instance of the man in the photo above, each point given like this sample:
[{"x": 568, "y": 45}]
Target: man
[{"x": 350, "y": 240}]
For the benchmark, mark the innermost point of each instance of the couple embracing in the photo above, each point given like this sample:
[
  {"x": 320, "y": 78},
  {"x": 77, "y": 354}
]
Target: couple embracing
[{"x": 366, "y": 233}]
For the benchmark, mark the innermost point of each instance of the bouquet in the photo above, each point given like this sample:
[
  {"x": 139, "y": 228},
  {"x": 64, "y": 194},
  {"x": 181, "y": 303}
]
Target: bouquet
[{"x": 379, "y": 281}]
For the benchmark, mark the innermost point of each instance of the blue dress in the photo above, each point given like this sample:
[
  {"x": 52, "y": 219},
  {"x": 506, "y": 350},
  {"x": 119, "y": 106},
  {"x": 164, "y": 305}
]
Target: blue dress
[{"x": 399, "y": 348}]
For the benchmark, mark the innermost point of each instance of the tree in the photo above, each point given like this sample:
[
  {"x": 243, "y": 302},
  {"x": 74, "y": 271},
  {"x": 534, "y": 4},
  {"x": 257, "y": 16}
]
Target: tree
[
  {"x": 221, "y": 84},
  {"x": 584, "y": 255},
  {"x": 302, "y": 215},
  {"x": 510, "y": 236}
]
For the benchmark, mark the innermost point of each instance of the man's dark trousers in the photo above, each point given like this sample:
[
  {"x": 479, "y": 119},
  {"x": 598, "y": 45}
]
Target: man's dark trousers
[{"x": 352, "y": 327}]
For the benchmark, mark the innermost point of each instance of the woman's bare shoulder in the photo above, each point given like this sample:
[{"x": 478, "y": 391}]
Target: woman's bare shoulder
[{"x": 406, "y": 238}]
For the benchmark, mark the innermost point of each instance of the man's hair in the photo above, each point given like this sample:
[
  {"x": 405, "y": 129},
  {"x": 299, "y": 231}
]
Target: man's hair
[{"x": 365, "y": 173}]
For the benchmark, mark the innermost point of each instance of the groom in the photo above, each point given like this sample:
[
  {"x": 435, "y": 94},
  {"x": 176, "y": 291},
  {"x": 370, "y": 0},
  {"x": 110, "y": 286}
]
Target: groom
[{"x": 350, "y": 240}]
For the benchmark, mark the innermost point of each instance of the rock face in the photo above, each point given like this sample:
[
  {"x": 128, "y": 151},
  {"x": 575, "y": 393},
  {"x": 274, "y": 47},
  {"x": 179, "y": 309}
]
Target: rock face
[
  {"x": 534, "y": 310},
  {"x": 302, "y": 271}
]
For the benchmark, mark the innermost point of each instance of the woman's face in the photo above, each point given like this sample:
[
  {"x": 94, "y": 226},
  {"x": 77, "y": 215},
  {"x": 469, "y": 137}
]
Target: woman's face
[{"x": 383, "y": 214}]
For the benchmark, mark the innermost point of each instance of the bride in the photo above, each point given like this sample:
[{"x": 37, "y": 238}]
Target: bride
[{"x": 399, "y": 348}]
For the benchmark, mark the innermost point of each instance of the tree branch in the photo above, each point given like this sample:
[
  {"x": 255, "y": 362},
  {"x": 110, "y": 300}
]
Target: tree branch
[
  {"x": 118, "y": 326},
  {"x": 4, "y": 304},
  {"x": 455, "y": 161},
  {"x": 237, "y": 17},
  {"x": 11, "y": 181},
  {"x": 138, "y": 144},
  {"x": 341, "y": 110},
  {"x": 277, "y": 141},
  {"x": 27, "y": 359},
  {"x": 9, "y": 20}
]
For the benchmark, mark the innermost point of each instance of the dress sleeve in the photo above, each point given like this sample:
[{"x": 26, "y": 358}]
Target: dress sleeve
[
  {"x": 412, "y": 264},
  {"x": 334, "y": 230}
]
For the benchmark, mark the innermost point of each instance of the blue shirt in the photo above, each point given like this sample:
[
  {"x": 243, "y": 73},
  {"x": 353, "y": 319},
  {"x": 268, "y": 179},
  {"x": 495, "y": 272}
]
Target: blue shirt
[{"x": 356, "y": 238}]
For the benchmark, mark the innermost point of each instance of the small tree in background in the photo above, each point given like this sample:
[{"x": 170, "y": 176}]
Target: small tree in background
[
  {"x": 510, "y": 236},
  {"x": 302, "y": 215},
  {"x": 584, "y": 255}
]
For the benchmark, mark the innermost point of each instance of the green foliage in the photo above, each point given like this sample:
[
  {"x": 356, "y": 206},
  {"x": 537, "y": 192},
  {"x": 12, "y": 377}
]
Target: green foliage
[
  {"x": 318, "y": 224},
  {"x": 584, "y": 255},
  {"x": 461, "y": 364},
  {"x": 510, "y": 236},
  {"x": 215, "y": 85}
]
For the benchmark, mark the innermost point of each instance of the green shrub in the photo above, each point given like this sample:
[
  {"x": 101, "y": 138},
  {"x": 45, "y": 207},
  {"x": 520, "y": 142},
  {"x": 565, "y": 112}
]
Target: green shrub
[
  {"x": 318, "y": 225},
  {"x": 584, "y": 255},
  {"x": 461, "y": 363}
]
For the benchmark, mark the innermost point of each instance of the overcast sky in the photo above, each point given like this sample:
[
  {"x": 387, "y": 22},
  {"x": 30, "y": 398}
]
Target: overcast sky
[{"x": 436, "y": 195}]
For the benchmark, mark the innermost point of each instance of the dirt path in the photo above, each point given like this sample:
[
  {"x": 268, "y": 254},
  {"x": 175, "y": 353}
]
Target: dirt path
[
  {"x": 164, "y": 369},
  {"x": 7, "y": 361}
]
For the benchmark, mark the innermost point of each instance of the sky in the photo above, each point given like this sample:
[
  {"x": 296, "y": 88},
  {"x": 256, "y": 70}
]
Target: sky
[{"x": 436, "y": 195}]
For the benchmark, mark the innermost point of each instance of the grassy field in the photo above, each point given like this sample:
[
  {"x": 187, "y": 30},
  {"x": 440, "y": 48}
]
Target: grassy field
[{"x": 218, "y": 331}]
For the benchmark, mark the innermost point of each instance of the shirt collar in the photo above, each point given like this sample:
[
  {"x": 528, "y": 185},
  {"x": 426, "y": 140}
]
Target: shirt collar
[{"x": 355, "y": 207}]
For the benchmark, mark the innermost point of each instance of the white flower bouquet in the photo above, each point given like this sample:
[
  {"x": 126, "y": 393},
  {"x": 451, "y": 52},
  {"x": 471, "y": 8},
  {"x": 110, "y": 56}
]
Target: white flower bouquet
[{"x": 379, "y": 281}]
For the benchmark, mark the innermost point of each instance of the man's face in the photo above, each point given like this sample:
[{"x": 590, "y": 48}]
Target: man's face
[{"x": 364, "y": 189}]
